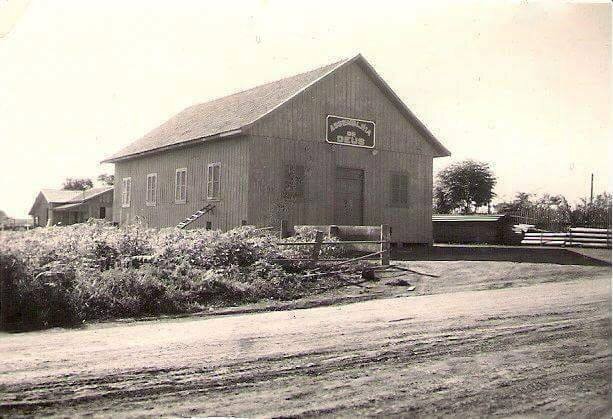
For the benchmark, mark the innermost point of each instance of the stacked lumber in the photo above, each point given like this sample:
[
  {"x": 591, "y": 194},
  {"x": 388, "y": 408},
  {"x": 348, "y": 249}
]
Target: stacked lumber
[
  {"x": 576, "y": 236},
  {"x": 524, "y": 228},
  {"x": 589, "y": 237}
]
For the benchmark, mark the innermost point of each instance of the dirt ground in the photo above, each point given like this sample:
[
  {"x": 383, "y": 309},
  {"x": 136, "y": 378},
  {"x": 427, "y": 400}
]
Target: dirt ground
[{"x": 482, "y": 339}]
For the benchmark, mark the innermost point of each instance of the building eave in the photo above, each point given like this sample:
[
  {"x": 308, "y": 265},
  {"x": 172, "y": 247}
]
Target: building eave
[{"x": 224, "y": 134}]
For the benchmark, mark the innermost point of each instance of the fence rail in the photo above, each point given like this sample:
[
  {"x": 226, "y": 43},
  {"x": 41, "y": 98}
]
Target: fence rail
[{"x": 384, "y": 239}]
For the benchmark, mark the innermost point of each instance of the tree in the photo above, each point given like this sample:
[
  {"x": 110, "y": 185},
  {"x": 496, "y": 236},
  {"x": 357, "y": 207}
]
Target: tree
[
  {"x": 521, "y": 202},
  {"x": 107, "y": 179},
  {"x": 464, "y": 186},
  {"x": 555, "y": 213},
  {"x": 77, "y": 184},
  {"x": 593, "y": 214}
]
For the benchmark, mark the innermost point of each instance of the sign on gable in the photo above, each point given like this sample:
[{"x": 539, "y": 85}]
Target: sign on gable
[{"x": 350, "y": 131}]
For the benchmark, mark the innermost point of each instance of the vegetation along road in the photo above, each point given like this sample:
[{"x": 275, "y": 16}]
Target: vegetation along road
[{"x": 539, "y": 348}]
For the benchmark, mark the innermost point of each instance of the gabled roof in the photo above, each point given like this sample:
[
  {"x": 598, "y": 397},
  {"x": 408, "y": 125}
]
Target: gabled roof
[
  {"x": 61, "y": 196},
  {"x": 232, "y": 115},
  {"x": 462, "y": 218},
  {"x": 56, "y": 196},
  {"x": 88, "y": 194}
]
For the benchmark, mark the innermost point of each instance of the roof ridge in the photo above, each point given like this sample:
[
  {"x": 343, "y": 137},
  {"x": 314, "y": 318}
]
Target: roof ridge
[
  {"x": 233, "y": 114},
  {"x": 238, "y": 109}
]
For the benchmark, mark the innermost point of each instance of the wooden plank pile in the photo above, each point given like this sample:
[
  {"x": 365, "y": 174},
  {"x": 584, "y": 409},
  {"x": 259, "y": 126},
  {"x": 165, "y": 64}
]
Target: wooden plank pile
[{"x": 576, "y": 236}]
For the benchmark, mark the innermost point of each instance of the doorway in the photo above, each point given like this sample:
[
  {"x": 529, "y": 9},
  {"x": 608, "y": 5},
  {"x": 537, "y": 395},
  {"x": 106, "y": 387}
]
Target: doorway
[{"x": 349, "y": 196}]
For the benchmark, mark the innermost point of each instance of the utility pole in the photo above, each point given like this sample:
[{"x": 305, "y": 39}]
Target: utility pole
[{"x": 592, "y": 189}]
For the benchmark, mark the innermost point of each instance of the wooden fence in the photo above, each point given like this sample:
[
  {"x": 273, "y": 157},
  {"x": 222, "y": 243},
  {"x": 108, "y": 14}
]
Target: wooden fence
[
  {"x": 574, "y": 237},
  {"x": 379, "y": 235}
]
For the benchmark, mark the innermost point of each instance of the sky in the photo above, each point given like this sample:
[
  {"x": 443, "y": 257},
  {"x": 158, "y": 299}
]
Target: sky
[{"x": 524, "y": 86}]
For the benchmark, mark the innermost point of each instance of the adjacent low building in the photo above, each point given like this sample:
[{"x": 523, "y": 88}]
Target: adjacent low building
[
  {"x": 62, "y": 207},
  {"x": 474, "y": 229},
  {"x": 334, "y": 145}
]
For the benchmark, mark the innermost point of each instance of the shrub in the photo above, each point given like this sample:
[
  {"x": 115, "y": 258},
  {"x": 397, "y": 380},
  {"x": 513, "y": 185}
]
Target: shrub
[
  {"x": 46, "y": 299},
  {"x": 65, "y": 275}
]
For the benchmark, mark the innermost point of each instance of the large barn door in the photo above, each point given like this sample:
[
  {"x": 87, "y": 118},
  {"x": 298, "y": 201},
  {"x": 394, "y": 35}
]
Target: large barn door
[{"x": 349, "y": 197}]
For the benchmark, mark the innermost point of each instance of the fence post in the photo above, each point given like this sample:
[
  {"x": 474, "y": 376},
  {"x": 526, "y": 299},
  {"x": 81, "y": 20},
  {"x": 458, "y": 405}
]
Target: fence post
[
  {"x": 319, "y": 238},
  {"x": 335, "y": 231},
  {"x": 385, "y": 244},
  {"x": 570, "y": 236},
  {"x": 284, "y": 231}
]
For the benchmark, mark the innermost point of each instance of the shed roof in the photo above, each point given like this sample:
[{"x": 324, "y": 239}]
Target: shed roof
[
  {"x": 66, "y": 207},
  {"x": 471, "y": 218},
  {"x": 61, "y": 196},
  {"x": 230, "y": 115},
  {"x": 56, "y": 196}
]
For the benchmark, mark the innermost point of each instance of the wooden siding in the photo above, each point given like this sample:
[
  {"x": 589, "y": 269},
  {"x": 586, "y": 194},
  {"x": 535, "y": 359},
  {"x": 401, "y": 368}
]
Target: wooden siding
[
  {"x": 295, "y": 133},
  {"x": 230, "y": 210},
  {"x": 350, "y": 92},
  {"x": 40, "y": 210},
  {"x": 253, "y": 166},
  {"x": 91, "y": 208},
  {"x": 412, "y": 224}
]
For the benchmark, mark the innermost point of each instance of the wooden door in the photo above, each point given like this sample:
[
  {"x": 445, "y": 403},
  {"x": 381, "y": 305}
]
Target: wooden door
[{"x": 349, "y": 196}]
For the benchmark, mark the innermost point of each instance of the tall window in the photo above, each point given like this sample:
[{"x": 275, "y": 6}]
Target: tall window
[
  {"x": 294, "y": 182},
  {"x": 399, "y": 190},
  {"x": 152, "y": 184},
  {"x": 213, "y": 181},
  {"x": 126, "y": 191},
  {"x": 181, "y": 186}
]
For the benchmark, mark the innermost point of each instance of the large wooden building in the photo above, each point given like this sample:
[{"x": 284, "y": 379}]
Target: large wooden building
[{"x": 334, "y": 145}]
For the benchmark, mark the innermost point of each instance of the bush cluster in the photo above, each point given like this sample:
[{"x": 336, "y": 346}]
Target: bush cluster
[{"x": 66, "y": 275}]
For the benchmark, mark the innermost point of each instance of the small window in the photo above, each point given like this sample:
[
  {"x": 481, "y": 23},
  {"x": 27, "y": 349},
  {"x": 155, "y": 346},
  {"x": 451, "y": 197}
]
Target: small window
[
  {"x": 126, "y": 191},
  {"x": 213, "y": 183},
  {"x": 294, "y": 182},
  {"x": 209, "y": 225},
  {"x": 181, "y": 186},
  {"x": 152, "y": 184},
  {"x": 102, "y": 212},
  {"x": 399, "y": 190}
]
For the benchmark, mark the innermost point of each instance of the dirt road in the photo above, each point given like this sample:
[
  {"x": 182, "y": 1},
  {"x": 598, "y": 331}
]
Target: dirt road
[{"x": 539, "y": 349}]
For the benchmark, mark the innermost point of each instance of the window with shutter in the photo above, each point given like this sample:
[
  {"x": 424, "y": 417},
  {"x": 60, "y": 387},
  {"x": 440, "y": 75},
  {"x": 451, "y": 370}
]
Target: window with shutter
[
  {"x": 126, "y": 191},
  {"x": 399, "y": 190},
  {"x": 213, "y": 184},
  {"x": 151, "y": 196},
  {"x": 181, "y": 186}
]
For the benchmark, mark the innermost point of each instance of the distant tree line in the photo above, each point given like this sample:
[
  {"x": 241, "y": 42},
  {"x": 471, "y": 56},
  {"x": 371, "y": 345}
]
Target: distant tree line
[
  {"x": 467, "y": 186},
  {"x": 83, "y": 184},
  {"x": 554, "y": 212}
]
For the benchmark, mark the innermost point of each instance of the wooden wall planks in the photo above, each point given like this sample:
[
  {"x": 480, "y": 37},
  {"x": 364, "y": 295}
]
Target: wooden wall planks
[
  {"x": 230, "y": 210},
  {"x": 295, "y": 133}
]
